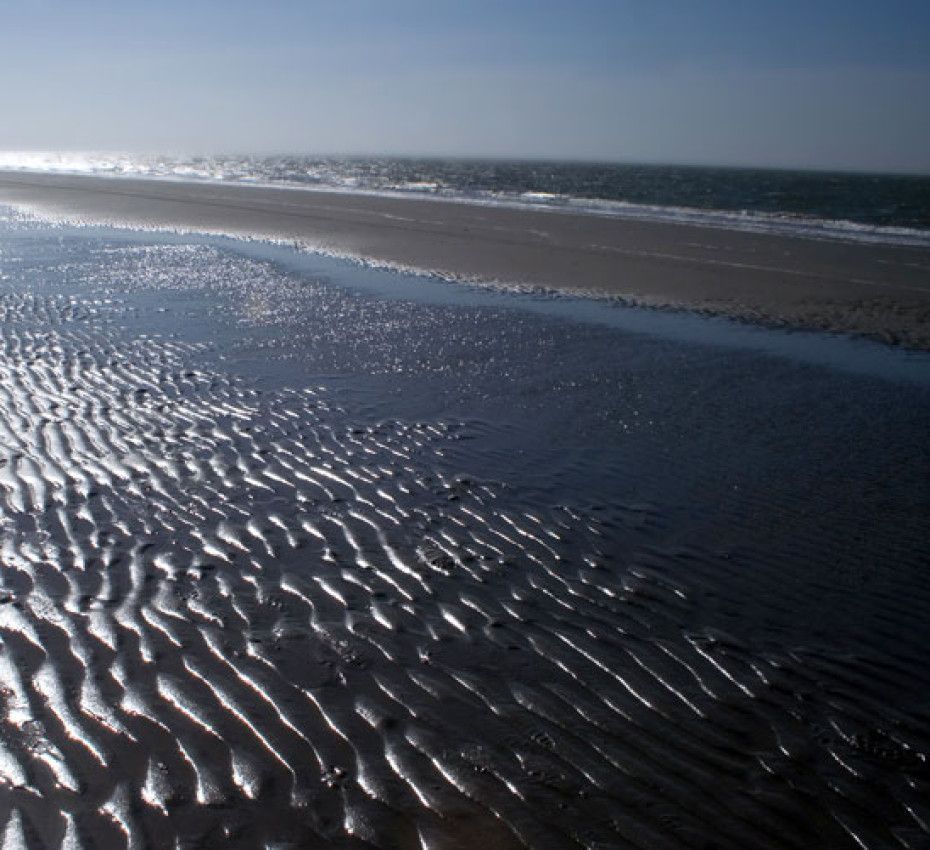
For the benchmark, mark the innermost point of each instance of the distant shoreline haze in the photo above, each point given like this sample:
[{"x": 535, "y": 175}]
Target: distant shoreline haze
[{"x": 44, "y": 157}]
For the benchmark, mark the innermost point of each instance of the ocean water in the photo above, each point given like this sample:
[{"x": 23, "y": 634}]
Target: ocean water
[
  {"x": 871, "y": 207},
  {"x": 295, "y": 553}
]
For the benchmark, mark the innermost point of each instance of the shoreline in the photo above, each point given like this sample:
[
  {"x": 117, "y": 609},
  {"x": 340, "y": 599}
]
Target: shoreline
[{"x": 875, "y": 290}]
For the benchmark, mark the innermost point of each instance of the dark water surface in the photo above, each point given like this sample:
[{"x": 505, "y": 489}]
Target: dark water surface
[{"x": 301, "y": 554}]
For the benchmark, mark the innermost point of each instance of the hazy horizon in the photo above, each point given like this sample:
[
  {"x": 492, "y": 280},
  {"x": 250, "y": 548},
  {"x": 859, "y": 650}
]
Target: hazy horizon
[
  {"x": 466, "y": 157},
  {"x": 839, "y": 87}
]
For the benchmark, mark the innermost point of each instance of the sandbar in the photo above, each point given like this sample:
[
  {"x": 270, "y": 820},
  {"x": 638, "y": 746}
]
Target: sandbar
[{"x": 877, "y": 290}]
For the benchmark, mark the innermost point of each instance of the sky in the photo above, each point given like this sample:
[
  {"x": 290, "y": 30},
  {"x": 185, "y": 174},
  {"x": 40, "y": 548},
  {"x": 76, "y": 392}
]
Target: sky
[{"x": 820, "y": 83}]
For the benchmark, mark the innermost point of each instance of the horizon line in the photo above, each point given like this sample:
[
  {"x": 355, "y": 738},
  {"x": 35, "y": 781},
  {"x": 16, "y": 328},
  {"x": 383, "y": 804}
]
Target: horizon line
[{"x": 483, "y": 157}]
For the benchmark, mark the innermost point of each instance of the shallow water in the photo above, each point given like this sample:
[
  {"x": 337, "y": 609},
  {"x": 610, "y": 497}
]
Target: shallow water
[{"x": 299, "y": 553}]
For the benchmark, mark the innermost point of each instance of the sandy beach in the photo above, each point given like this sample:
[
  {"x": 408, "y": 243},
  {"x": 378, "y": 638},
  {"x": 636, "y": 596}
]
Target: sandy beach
[
  {"x": 880, "y": 291},
  {"x": 297, "y": 553}
]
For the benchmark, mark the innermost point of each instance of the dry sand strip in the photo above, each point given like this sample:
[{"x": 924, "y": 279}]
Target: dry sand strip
[{"x": 877, "y": 290}]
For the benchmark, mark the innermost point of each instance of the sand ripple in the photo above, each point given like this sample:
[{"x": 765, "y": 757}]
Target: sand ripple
[{"x": 238, "y": 618}]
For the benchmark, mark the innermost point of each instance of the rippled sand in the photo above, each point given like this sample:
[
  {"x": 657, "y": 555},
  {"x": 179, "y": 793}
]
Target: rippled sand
[{"x": 238, "y": 613}]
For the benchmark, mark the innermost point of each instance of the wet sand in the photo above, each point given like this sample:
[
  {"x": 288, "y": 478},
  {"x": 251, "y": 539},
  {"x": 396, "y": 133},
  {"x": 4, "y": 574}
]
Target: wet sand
[
  {"x": 287, "y": 565},
  {"x": 879, "y": 291}
]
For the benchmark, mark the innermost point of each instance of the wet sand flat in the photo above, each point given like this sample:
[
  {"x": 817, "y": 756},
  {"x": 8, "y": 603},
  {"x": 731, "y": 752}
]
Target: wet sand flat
[
  {"x": 877, "y": 290},
  {"x": 286, "y": 562}
]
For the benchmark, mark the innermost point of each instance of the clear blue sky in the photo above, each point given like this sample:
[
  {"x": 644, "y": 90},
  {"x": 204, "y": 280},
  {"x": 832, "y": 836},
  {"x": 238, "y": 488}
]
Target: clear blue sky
[{"x": 821, "y": 83}]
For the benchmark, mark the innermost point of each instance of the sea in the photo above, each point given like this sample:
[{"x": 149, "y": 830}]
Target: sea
[{"x": 887, "y": 208}]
